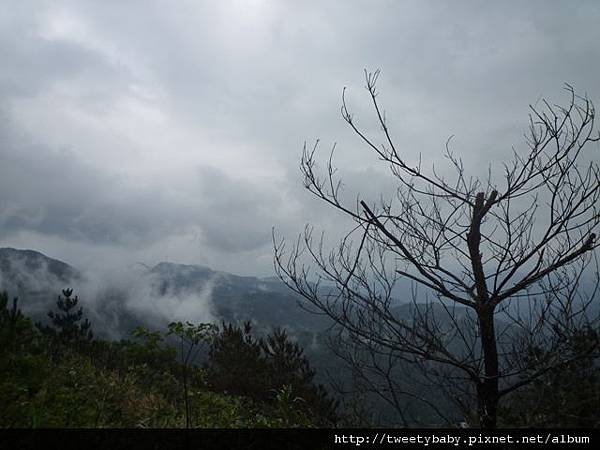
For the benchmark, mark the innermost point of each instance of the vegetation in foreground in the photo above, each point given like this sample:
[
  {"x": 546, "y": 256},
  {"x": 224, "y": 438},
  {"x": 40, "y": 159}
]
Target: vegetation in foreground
[{"x": 59, "y": 375}]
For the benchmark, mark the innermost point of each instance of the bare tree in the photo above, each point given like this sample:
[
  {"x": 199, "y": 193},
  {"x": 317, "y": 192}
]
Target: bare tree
[{"x": 502, "y": 262}]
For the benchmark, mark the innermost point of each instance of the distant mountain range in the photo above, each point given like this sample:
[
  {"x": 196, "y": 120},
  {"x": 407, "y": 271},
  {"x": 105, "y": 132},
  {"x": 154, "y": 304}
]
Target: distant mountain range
[
  {"x": 119, "y": 301},
  {"x": 146, "y": 294}
]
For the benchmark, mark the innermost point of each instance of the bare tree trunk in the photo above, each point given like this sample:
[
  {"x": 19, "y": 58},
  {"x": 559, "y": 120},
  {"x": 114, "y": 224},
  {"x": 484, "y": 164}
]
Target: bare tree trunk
[{"x": 487, "y": 389}]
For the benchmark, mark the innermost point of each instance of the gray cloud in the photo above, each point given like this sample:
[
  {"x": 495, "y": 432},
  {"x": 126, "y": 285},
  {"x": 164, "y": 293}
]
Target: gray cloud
[
  {"x": 145, "y": 130},
  {"x": 64, "y": 196}
]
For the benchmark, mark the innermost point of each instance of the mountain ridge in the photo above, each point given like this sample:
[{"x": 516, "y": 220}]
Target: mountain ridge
[{"x": 37, "y": 278}]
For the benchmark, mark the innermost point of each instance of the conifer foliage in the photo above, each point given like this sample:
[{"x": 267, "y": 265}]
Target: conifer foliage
[
  {"x": 67, "y": 321},
  {"x": 272, "y": 369}
]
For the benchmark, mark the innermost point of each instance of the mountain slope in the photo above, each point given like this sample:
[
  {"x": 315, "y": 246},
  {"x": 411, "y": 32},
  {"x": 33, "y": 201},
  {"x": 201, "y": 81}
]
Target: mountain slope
[
  {"x": 159, "y": 294},
  {"x": 35, "y": 278}
]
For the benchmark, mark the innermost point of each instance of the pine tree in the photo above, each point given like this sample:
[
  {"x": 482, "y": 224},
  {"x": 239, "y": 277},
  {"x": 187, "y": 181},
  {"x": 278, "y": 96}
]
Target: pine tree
[
  {"x": 236, "y": 364},
  {"x": 289, "y": 367},
  {"x": 267, "y": 370},
  {"x": 67, "y": 325}
]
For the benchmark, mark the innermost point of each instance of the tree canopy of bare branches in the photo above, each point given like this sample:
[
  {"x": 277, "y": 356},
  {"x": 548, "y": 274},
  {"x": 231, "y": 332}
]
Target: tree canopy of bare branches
[{"x": 502, "y": 262}]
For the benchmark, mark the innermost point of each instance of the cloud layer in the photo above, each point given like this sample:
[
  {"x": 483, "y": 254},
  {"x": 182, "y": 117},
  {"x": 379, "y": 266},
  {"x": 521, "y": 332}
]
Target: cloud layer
[{"x": 144, "y": 131}]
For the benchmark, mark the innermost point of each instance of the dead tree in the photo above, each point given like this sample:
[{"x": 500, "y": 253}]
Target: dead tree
[{"x": 503, "y": 262}]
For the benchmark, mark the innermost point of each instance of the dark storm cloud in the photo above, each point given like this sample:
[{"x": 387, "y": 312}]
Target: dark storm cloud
[{"x": 149, "y": 129}]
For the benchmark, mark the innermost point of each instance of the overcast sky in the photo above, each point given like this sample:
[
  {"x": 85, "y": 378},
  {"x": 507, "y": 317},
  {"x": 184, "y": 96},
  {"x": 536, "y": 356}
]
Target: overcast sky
[{"x": 172, "y": 130}]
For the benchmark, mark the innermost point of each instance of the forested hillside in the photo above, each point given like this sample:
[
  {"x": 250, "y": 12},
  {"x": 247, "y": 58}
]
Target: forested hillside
[{"x": 60, "y": 375}]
